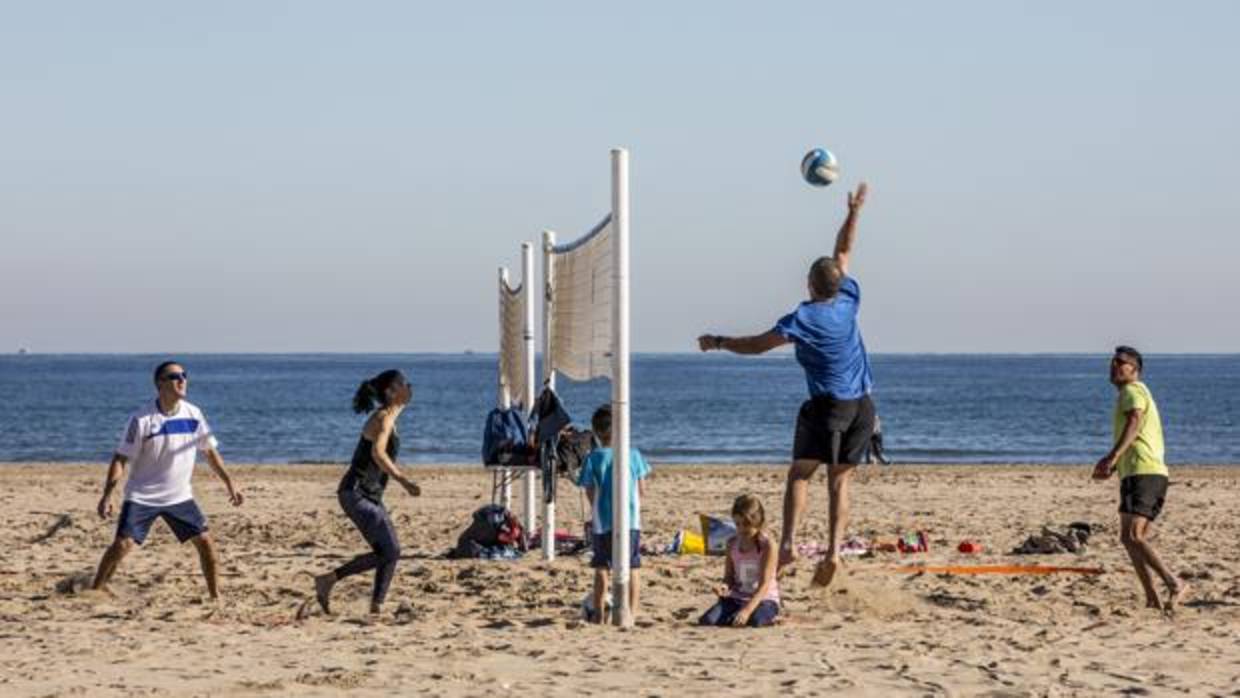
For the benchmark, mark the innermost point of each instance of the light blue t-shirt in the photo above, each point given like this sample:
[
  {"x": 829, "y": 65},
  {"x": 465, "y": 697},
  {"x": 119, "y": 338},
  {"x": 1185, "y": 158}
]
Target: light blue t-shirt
[
  {"x": 596, "y": 473},
  {"x": 829, "y": 345}
]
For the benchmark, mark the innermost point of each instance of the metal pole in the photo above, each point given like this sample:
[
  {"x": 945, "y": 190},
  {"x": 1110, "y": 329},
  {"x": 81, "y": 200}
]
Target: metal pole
[
  {"x": 548, "y": 537},
  {"x": 622, "y": 615},
  {"x": 504, "y": 394},
  {"x": 527, "y": 284}
]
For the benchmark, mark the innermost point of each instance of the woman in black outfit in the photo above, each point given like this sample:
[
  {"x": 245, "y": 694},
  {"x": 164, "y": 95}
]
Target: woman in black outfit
[{"x": 361, "y": 490}]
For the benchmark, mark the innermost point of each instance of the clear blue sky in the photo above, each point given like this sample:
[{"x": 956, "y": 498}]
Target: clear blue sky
[{"x": 301, "y": 176}]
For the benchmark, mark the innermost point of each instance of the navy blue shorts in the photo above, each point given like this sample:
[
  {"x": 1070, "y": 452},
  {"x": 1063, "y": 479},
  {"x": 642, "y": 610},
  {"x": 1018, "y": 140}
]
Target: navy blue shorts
[
  {"x": 602, "y": 550},
  {"x": 184, "y": 518}
]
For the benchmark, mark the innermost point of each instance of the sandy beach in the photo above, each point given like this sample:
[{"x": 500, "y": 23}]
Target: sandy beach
[{"x": 478, "y": 628}]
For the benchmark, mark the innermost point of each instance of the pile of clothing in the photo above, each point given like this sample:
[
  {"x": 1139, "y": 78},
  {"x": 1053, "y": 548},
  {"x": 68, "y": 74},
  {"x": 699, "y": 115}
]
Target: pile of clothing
[
  {"x": 493, "y": 534},
  {"x": 1070, "y": 539}
]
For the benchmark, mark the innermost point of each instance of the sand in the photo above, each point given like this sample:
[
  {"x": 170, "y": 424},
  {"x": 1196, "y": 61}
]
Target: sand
[{"x": 478, "y": 628}]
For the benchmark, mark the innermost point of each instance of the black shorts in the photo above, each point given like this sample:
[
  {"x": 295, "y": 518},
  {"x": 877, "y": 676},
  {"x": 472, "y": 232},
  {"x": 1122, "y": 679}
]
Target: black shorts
[
  {"x": 1142, "y": 495},
  {"x": 820, "y": 416}
]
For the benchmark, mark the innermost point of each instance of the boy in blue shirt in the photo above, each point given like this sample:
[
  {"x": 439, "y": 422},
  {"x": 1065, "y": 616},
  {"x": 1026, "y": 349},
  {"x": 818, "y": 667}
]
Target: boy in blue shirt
[{"x": 596, "y": 479}]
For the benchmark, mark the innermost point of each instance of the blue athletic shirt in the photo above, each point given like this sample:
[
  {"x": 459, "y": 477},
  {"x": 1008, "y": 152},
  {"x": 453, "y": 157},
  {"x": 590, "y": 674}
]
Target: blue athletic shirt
[
  {"x": 596, "y": 473},
  {"x": 829, "y": 344}
]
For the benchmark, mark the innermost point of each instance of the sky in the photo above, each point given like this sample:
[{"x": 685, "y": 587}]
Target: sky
[{"x": 312, "y": 176}]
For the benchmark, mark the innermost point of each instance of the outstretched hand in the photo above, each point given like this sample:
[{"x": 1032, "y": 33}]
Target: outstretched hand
[
  {"x": 708, "y": 342},
  {"x": 857, "y": 199},
  {"x": 412, "y": 488}
]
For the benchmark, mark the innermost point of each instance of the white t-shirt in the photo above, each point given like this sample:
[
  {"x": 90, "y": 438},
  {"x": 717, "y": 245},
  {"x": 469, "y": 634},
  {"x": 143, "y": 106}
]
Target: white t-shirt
[{"x": 161, "y": 450}]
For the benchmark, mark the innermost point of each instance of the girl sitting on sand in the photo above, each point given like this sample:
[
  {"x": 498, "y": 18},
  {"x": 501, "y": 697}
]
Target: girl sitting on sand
[{"x": 751, "y": 594}]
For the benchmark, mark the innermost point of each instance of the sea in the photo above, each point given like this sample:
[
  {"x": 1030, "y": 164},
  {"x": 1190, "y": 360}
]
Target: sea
[{"x": 686, "y": 408}]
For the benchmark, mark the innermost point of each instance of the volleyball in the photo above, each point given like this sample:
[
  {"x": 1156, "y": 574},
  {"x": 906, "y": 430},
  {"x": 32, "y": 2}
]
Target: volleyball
[{"x": 819, "y": 167}]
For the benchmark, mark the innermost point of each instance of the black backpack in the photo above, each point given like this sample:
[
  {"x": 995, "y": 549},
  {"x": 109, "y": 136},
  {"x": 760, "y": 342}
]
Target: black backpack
[
  {"x": 492, "y": 526},
  {"x": 571, "y": 450}
]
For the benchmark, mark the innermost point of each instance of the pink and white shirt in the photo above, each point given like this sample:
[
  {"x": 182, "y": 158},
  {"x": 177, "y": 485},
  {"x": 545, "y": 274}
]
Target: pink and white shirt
[{"x": 747, "y": 568}]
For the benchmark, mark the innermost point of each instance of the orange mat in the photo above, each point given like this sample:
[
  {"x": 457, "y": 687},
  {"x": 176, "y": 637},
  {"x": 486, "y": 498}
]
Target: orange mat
[{"x": 999, "y": 569}]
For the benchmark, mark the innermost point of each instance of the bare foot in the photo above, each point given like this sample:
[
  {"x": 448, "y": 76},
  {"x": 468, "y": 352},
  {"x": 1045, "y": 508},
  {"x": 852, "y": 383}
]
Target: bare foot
[
  {"x": 303, "y": 611},
  {"x": 323, "y": 591},
  {"x": 1175, "y": 595},
  {"x": 787, "y": 556},
  {"x": 1153, "y": 602},
  {"x": 825, "y": 572}
]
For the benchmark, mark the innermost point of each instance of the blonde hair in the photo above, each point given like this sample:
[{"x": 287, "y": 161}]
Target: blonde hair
[{"x": 748, "y": 509}]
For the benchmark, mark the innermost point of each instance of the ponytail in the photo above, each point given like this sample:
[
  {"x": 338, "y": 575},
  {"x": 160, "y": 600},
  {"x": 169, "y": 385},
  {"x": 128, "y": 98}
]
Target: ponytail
[
  {"x": 365, "y": 398},
  {"x": 374, "y": 391}
]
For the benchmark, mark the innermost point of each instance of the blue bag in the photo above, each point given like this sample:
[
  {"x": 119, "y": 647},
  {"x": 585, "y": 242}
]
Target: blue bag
[{"x": 503, "y": 437}]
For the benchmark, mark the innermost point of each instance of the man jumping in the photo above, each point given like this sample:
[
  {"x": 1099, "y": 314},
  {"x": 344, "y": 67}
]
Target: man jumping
[
  {"x": 835, "y": 425},
  {"x": 161, "y": 439}
]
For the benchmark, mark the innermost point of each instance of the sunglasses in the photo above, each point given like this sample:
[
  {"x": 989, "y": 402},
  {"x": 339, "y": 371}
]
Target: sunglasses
[{"x": 174, "y": 376}]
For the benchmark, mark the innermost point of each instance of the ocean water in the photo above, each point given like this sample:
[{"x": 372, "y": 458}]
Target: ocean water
[{"x": 686, "y": 408}]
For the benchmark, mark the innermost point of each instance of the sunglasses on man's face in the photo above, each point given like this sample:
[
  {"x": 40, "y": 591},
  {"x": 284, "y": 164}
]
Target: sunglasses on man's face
[{"x": 174, "y": 376}]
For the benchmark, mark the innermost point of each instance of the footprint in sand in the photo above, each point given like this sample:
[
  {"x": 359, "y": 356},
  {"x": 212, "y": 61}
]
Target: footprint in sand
[{"x": 854, "y": 594}]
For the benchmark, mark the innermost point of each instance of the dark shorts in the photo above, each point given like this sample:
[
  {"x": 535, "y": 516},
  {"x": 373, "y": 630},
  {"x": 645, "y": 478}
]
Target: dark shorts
[
  {"x": 602, "y": 551},
  {"x": 724, "y": 612},
  {"x": 821, "y": 416},
  {"x": 1142, "y": 495},
  {"x": 184, "y": 518}
]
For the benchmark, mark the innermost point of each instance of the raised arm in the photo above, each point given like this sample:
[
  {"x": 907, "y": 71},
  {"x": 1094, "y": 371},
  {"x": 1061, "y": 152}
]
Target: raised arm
[
  {"x": 848, "y": 230},
  {"x": 755, "y": 344}
]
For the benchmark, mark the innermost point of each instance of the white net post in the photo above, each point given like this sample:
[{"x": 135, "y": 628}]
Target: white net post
[
  {"x": 548, "y": 538},
  {"x": 504, "y": 391},
  {"x": 622, "y": 614},
  {"x": 527, "y": 339}
]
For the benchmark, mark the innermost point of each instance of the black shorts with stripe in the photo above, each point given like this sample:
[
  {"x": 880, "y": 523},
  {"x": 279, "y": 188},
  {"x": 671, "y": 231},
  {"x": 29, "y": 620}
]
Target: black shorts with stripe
[{"x": 822, "y": 416}]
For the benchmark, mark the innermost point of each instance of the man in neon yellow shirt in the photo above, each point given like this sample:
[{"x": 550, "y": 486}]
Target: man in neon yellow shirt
[{"x": 1138, "y": 456}]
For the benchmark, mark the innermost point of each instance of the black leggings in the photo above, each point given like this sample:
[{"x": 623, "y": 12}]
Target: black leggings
[{"x": 376, "y": 527}]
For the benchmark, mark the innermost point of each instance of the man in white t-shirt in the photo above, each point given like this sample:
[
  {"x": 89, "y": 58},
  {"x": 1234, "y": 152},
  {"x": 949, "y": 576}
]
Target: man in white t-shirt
[{"x": 160, "y": 442}]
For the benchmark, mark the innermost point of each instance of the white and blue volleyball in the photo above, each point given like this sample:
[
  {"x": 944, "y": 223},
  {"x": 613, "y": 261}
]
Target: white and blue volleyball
[{"x": 819, "y": 167}]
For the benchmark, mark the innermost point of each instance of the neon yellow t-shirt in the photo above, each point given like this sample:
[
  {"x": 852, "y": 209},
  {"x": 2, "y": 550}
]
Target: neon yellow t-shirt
[{"x": 1145, "y": 456}]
